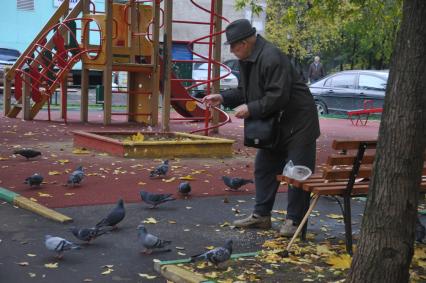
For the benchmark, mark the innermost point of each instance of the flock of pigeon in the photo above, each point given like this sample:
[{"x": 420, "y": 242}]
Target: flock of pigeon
[
  {"x": 36, "y": 179},
  {"x": 149, "y": 242}
]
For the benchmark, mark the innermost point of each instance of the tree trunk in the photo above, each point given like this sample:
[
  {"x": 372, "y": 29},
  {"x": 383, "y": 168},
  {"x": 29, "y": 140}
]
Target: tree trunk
[{"x": 385, "y": 248}]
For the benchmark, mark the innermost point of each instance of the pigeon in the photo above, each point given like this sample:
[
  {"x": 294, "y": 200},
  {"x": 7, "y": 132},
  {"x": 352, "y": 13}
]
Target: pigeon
[
  {"x": 76, "y": 177},
  {"x": 151, "y": 242},
  {"x": 215, "y": 256},
  {"x": 235, "y": 183},
  {"x": 59, "y": 245},
  {"x": 160, "y": 170},
  {"x": 420, "y": 231},
  {"x": 88, "y": 234},
  {"x": 34, "y": 180},
  {"x": 184, "y": 188},
  {"x": 114, "y": 217},
  {"x": 155, "y": 199},
  {"x": 27, "y": 153}
]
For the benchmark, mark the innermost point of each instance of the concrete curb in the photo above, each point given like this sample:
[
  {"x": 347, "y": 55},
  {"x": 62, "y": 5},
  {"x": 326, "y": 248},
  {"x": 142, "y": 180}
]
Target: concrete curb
[
  {"x": 169, "y": 270},
  {"x": 25, "y": 203}
]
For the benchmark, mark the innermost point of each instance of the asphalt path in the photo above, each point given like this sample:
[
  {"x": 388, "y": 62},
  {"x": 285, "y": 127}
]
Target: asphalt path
[{"x": 192, "y": 224}]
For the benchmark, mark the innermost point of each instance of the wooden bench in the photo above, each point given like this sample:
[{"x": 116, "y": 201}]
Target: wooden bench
[
  {"x": 346, "y": 174},
  {"x": 361, "y": 115}
]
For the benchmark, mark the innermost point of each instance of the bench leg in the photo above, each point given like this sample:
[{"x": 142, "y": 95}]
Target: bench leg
[
  {"x": 303, "y": 222},
  {"x": 348, "y": 223}
]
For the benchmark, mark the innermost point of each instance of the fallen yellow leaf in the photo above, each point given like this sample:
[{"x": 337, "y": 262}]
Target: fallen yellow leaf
[
  {"x": 150, "y": 220},
  {"x": 43, "y": 195},
  {"x": 108, "y": 271},
  {"x": 147, "y": 276},
  {"x": 269, "y": 271},
  {"x": 187, "y": 177},
  {"x": 51, "y": 173},
  {"x": 51, "y": 265},
  {"x": 212, "y": 274},
  {"x": 225, "y": 224},
  {"x": 335, "y": 216},
  {"x": 340, "y": 261},
  {"x": 80, "y": 151},
  {"x": 169, "y": 180}
]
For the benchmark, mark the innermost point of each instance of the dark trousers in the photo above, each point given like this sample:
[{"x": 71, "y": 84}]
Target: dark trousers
[{"x": 268, "y": 165}]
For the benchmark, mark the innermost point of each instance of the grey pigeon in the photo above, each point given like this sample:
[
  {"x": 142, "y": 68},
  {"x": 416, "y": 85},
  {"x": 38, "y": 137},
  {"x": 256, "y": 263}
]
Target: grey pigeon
[
  {"x": 160, "y": 170},
  {"x": 420, "y": 231},
  {"x": 27, "y": 153},
  {"x": 76, "y": 177},
  {"x": 235, "y": 183},
  {"x": 114, "y": 217},
  {"x": 151, "y": 242},
  {"x": 34, "y": 180},
  {"x": 89, "y": 234},
  {"x": 215, "y": 256},
  {"x": 155, "y": 199},
  {"x": 184, "y": 188},
  {"x": 59, "y": 245}
]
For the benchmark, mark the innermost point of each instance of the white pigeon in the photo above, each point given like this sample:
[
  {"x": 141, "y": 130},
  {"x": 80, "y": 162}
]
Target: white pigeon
[{"x": 59, "y": 245}]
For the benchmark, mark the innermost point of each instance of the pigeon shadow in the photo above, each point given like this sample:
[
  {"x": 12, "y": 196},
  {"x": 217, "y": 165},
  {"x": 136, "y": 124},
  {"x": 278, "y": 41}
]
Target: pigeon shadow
[{"x": 159, "y": 208}]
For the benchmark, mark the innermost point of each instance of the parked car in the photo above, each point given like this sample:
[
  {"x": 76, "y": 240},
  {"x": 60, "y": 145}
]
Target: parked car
[
  {"x": 201, "y": 72},
  {"x": 7, "y": 58},
  {"x": 348, "y": 90},
  {"x": 234, "y": 65}
]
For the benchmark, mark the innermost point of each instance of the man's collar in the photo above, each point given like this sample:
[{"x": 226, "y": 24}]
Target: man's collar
[{"x": 260, "y": 42}]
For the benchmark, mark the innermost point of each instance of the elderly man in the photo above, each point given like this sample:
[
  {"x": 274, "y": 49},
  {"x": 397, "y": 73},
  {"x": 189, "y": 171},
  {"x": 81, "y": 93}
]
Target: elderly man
[
  {"x": 316, "y": 70},
  {"x": 269, "y": 84}
]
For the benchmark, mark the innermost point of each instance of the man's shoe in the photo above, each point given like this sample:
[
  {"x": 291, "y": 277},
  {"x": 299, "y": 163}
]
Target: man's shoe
[
  {"x": 288, "y": 229},
  {"x": 254, "y": 221}
]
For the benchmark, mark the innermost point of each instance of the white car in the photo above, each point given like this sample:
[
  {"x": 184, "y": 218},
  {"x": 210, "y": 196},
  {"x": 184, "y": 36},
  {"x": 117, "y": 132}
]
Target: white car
[{"x": 227, "y": 82}]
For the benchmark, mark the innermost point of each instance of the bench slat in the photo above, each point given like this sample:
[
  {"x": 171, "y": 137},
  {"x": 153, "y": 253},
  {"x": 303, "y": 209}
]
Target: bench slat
[
  {"x": 348, "y": 145},
  {"x": 310, "y": 186},
  {"x": 283, "y": 178},
  {"x": 357, "y": 189},
  {"x": 339, "y": 190},
  {"x": 339, "y": 159},
  {"x": 344, "y": 173}
]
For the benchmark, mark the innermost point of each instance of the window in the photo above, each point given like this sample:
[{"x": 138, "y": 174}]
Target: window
[
  {"x": 25, "y": 5},
  {"x": 328, "y": 82},
  {"x": 344, "y": 81},
  {"x": 367, "y": 82}
]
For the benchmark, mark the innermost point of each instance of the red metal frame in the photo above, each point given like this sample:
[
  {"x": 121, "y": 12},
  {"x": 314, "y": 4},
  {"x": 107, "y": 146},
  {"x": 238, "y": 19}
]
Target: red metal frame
[
  {"x": 60, "y": 61},
  {"x": 208, "y": 60}
]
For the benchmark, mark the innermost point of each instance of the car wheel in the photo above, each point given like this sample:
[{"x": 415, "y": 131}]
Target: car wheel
[{"x": 321, "y": 107}]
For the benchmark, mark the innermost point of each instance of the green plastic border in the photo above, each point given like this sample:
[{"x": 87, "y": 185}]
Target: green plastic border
[{"x": 7, "y": 195}]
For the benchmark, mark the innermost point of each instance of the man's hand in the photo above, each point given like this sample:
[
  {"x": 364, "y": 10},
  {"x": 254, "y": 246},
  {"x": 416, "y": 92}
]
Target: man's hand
[
  {"x": 212, "y": 100},
  {"x": 242, "y": 111}
]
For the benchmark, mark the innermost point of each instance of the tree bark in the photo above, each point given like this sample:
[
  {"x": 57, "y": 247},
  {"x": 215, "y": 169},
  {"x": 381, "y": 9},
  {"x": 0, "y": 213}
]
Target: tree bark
[{"x": 386, "y": 245}]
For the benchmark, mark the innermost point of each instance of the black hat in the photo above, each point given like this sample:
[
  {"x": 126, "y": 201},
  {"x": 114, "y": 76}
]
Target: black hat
[{"x": 238, "y": 30}]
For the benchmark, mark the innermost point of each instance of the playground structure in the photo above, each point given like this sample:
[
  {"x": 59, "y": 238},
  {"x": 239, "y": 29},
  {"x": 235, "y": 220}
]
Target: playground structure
[{"x": 124, "y": 37}]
